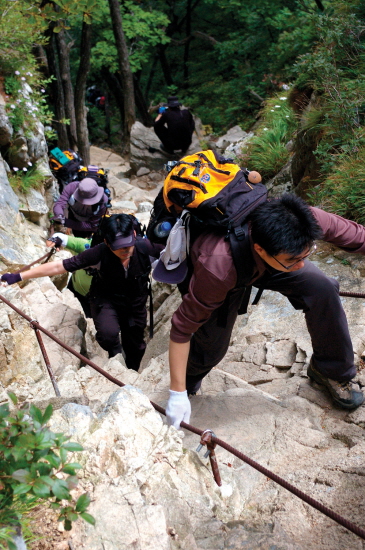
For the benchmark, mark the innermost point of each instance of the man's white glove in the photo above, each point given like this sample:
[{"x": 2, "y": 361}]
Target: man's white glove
[{"x": 178, "y": 408}]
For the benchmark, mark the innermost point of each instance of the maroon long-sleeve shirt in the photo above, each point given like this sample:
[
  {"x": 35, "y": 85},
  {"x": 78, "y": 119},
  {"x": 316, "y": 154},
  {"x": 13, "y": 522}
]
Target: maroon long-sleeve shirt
[{"x": 215, "y": 273}]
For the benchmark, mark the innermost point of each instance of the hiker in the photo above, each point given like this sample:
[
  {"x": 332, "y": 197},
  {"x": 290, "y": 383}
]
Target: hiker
[
  {"x": 80, "y": 281},
  {"x": 174, "y": 127},
  {"x": 86, "y": 203},
  {"x": 119, "y": 288},
  {"x": 282, "y": 235}
]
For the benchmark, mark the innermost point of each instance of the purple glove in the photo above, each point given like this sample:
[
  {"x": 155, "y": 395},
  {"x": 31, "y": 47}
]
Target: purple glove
[{"x": 11, "y": 278}]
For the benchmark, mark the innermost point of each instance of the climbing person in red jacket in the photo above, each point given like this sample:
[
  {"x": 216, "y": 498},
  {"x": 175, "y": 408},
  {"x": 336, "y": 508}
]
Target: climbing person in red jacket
[
  {"x": 119, "y": 288},
  {"x": 283, "y": 232},
  {"x": 86, "y": 203}
]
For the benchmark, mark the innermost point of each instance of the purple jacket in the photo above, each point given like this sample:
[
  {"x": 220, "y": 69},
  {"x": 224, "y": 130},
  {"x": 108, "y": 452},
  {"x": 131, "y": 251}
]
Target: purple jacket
[
  {"x": 215, "y": 274},
  {"x": 82, "y": 216}
]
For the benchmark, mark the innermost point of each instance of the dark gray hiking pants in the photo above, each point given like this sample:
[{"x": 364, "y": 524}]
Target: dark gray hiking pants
[{"x": 308, "y": 289}]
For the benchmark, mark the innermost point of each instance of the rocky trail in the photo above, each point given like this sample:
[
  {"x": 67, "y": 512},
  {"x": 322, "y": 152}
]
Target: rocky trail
[{"x": 150, "y": 489}]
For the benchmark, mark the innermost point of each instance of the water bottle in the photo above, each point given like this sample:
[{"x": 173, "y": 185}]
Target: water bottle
[{"x": 162, "y": 229}]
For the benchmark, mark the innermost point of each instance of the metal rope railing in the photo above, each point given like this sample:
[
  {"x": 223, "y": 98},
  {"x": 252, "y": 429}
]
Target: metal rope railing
[{"x": 209, "y": 442}]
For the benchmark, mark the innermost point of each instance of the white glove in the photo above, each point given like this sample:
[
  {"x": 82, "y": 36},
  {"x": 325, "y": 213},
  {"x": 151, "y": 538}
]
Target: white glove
[
  {"x": 62, "y": 236},
  {"x": 178, "y": 408}
]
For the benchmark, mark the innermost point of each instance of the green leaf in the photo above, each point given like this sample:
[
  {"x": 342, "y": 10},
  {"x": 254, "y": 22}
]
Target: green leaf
[
  {"x": 36, "y": 414},
  {"x": 57, "y": 29},
  {"x": 22, "y": 488},
  {"x": 60, "y": 489},
  {"x": 47, "y": 414},
  {"x": 53, "y": 459},
  {"x": 41, "y": 489},
  {"x": 73, "y": 446},
  {"x": 13, "y": 397},
  {"x": 82, "y": 503},
  {"x": 21, "y": 475},
  {"x": 68, "y": 470},
  {"x": 63, "y": 455},
  {"x": 11, "y": 545},
  {"x": 68, "y": 525},
  {"x": 4, "y": 410},
  {"x": 72, "y": 516},
  {"x": 88, "y": 517}
]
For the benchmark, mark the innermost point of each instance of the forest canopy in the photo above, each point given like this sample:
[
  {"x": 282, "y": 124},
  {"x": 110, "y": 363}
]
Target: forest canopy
[{"x": 226, "y": 60}]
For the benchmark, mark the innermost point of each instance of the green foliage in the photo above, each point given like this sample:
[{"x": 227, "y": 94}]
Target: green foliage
[
  {"x": 144, "y": 29},
  {"x": 25, "y": 180},
  {"x": 343, "y": 191},
  {"x": 266, "y": 151},
  {"x": 34, "y": 468},
  {"x": 27, "y": 103}
]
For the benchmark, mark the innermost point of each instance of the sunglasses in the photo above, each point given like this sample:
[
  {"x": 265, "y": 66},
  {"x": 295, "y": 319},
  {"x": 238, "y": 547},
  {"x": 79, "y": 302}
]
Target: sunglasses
[{"x": 313, "y": 249}]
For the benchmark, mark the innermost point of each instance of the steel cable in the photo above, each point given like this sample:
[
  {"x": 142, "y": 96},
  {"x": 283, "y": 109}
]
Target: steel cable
[{"x": 277, "y": 479}]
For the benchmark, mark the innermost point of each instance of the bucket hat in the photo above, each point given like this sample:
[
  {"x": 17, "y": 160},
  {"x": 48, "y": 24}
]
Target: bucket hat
[
  {"x": 172, "y": 266},
  {"x": 173, "y": 101},
  {"x": 88, "y": 192}
]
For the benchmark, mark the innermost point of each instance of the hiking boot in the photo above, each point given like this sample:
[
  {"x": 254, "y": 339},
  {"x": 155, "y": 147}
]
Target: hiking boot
[
  {"x": 192, "y": 390},
  {"x": 346, "y": 394}
]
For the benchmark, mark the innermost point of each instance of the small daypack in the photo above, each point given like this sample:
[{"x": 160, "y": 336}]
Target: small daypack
[{"x": 218, "y": 193}]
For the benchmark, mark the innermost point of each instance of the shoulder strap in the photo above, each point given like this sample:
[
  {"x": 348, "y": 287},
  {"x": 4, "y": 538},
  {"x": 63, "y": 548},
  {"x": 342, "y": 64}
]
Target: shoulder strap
[
  {"x": 141, "y": 246},
  {"x": 242, "y": 254}
]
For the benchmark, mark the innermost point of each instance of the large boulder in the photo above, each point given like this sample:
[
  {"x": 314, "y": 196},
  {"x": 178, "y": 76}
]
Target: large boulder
[
  {"x": 146, "y": 152},
  {"x": 233, "y": 136}
]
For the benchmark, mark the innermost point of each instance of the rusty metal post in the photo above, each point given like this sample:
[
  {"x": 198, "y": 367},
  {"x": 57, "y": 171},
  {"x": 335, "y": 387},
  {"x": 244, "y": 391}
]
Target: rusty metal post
[
  {"x": 206, "y": 439},
  {"x": 46, "y": 360}
]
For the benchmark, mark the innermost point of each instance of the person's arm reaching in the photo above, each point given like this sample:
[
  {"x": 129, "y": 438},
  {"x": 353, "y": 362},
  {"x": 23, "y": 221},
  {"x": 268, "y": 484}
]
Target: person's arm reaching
[
  {"x": 44, "y": 270},
  {"x": 178, "y": 408}
]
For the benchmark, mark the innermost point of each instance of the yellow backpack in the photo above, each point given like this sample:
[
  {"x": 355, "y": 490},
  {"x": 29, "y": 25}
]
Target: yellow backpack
[{"x": 214, "y": 189}]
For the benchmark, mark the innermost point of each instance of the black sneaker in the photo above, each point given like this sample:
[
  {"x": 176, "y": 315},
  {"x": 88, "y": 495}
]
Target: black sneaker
[
  {"x": 192, "y": 390},
  {"x": 346, "y": 394}
]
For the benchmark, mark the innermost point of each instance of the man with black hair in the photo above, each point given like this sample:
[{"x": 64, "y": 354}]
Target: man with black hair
[
  {"x": 174, "y": 127},
  {"x": 283, "y": 232},
  {"x": 119, "y": 288}
]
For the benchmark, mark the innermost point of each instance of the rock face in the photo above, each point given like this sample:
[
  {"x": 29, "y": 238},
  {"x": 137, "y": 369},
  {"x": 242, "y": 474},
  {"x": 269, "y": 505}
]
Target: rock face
[
  {"x": 233, "y": 136},
  {"x": 149, "y": 487}
]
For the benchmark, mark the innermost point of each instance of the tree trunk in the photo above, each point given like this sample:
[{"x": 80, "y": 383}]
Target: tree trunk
[
  {"x": 57, "y": 91},
  {"x": 83, "y": 144},
  {"x": 141, "y": 104},
  {"x": 151, "y": 76},
  {"x": 116, "y": 89},
  {"x": 165, "y": 64},
  {"x": 107, "y": 115},
  {"x": 187, "y": 44},
  {"x": 125, "y": 70},
  {"x": 64, "y": 58}
]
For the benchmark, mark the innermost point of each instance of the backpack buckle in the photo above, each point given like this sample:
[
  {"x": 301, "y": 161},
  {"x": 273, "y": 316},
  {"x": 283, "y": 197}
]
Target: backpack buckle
[
  {"x": 239, "y": 233},
  {"x": 197, "y": 168}
]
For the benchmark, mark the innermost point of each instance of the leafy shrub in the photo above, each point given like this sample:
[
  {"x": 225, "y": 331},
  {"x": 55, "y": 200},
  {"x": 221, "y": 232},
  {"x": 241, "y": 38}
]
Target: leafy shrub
[
  {"x": 23, "y": 181},
  {"x": 266, "y": 152},
  {"x": 343, "y": 191},
  {"x": 34, "y": 468}
]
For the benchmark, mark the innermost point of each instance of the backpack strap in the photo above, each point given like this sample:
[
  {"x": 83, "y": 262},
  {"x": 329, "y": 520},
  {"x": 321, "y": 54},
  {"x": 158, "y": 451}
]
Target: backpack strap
[
  {"x": 141, "y": 246},
  {"x": 239, "y": 239}
]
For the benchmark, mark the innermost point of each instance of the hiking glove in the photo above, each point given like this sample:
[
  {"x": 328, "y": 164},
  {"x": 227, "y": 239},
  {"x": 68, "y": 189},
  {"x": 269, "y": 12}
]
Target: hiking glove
[
  {"x": 60, "y": 239},
  {"x": 10, "y": 278},
  {"x": 178, "y": 408}
]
